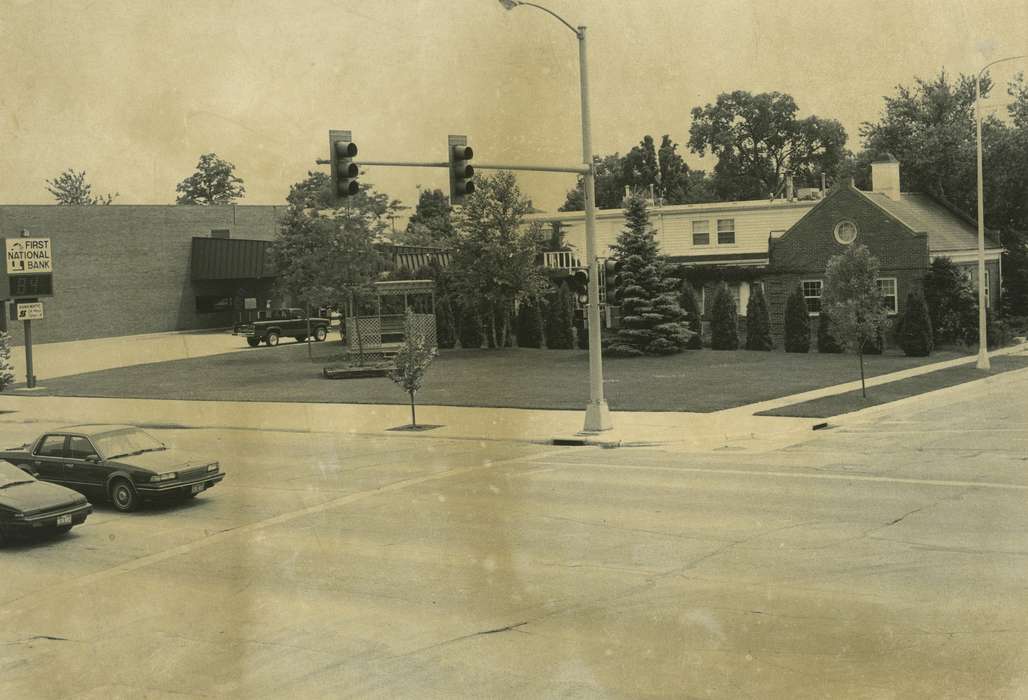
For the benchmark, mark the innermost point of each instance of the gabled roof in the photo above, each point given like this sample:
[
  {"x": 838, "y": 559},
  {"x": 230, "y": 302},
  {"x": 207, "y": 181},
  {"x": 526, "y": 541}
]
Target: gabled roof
[{"x": 947, "y": 230}]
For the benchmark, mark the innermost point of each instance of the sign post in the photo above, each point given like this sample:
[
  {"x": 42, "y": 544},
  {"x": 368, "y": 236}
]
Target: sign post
[{"x": 29, "y": 270}]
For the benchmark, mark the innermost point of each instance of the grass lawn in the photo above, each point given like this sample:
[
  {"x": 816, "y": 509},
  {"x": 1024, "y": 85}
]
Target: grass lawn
[
  {"x": 701, "y": 380},
  {"x": 853, "y": 401}
]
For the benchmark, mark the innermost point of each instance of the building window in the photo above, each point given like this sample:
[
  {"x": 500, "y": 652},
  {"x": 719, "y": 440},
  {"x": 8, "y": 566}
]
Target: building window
[
  {"x": 701, "y": 233},
  {"x": 812, "y": 295},
  {"x": 971, "y": 275},
  {"x": 726, "y": 231},
  {"x": 887, "y": 290},
  {"x": 212, "y": 304},
  {"x": 736, "y": 291},
  {"x": 560, "y": 260},
  {"x": 601, "y": 279},
  {"x": 845, "y": 232}
]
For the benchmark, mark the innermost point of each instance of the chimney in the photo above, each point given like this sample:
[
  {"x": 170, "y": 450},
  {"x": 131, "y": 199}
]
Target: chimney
[{"x": 885, "y": 176}]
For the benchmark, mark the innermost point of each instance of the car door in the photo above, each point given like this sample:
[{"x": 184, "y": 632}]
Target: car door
[
  {"x": 48, "y": 458},
  {"x": 83, "y": 469}
]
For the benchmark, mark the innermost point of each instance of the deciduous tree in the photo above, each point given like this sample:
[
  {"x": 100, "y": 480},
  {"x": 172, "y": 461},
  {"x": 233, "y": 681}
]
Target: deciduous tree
[
  {"x": 70, "y": 187},
  {"x": 411, "y": 362},
  {"x": 758, "y": 139},
  {"x": 214, "y": 182},
  {"x": 851, "y": 298}
]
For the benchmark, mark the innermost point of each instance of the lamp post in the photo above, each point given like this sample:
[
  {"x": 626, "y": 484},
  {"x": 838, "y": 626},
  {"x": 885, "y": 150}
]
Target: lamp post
[
  {"x": 597, "y": 414},
  {"x": 983, "y": 350}
]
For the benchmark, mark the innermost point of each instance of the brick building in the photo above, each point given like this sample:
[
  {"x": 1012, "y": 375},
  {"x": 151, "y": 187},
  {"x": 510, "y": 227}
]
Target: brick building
[
  {"x": 123, "y": 270},
  {"x": 784, "y": 242}
]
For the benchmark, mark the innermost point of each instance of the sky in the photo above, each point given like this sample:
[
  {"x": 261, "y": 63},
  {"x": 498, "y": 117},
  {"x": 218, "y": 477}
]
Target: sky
[{"x": 134, "y": 92}]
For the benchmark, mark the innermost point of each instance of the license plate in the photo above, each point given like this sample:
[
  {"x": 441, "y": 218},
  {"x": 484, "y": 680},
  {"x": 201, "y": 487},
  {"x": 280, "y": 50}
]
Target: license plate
[
  {"x": 63, "y": 520},
  {"x": 196, "y": 488}
]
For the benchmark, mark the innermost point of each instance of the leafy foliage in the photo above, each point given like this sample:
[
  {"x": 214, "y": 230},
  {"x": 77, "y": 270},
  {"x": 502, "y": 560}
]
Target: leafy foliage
[
  {"x": 430, "y": 225},
  {"x": 758, "y": 139},
  {"x": 758, "y": 321},
  {"x": 327, "y": 256},
  {"x": 852, "y": 299},
  {"x": 652, "y": 322},
  {"x": 690, "y": 303},
  {"x": 797, "y": 322},
  {"x": 494, "y": 257},
  {"x": 952, "y": 302},
  {"x": 724, "y": 320},
  {"x": 411, "y": 362},
  {"x": 70, "y": 187},
  {"x": 826, "y": 340},
  {"x": 915, "y": 331},
  {"x": 559, "y": 320},
  {"x": 6, "y": 368},
  {"x": 214, "y": 182},
  {"x": 644, "y": 167},
  {"x": 530, "y": 325}
]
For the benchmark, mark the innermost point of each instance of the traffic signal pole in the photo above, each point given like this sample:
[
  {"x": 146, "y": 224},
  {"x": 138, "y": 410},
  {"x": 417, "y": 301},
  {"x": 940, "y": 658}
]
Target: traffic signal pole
[{"x": 597, "y": 414}]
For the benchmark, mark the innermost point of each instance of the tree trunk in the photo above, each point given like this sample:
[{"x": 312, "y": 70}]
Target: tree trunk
[
  {"x": 413, "y": 418},
  {"x": 863, "y": 388},
  {"x": 492, "y": 327}
]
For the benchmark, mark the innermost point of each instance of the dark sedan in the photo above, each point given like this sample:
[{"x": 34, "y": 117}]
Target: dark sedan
[
  {"x": 29, "y": 506},
  {"x": 120, "y": 464}
]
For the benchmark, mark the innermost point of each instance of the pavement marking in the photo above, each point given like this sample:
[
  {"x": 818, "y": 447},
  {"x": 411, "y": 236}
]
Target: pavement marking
[
  {"x": 795, "y": 475},
  {"x": 10, "y": 607}
]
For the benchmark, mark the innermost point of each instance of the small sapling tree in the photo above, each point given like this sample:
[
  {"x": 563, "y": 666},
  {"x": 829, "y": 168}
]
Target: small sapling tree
[{"x": 412, "y": 362}]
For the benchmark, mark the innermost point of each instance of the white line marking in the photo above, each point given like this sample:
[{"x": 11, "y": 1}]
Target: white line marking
[{"x": 794, "y": 475}]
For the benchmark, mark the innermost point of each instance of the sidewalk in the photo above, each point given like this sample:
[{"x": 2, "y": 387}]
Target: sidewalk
[
  {"x": 735, "y": 428},
  {"x": 50, "y": 360},
  {"x": 699, "y": 431}
]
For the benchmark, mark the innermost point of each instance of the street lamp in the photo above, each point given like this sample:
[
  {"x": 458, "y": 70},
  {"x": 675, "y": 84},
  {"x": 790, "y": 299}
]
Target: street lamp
[
  {"x": 597, "y": 414},
  {"x": 983, "y": 350}
]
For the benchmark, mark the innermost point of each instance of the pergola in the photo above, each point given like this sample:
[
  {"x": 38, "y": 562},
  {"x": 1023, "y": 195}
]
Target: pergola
[{"x": 384, "y": 330}]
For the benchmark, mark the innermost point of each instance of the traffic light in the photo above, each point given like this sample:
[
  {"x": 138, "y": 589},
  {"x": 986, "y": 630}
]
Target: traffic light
[
  {"x": 612, "y": 280},
  {"x": 579, "y": 283},
  {"x": 344, "y": 170},
  {"x": 461, "y": 171}
]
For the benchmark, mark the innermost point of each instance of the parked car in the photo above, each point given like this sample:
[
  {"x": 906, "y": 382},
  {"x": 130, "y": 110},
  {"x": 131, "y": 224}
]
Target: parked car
[
  {"x": 121, "y": 464},
  {"x": 283, "y": 323},
  {"x": 29, "y": 506}
]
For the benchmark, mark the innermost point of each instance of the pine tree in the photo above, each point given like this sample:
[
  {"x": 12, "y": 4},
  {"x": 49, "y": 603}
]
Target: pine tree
[
  {"x": 691, "y": 304},
  {"x": 915, "y": 333},
  {"x": 6, "y": 368},
  {"x": 559, "y": 331},
  {"x": 724, "y": 320},
  {"x": 797, "y": 323},
  {"x": 652, "y": 322},
  {"x": 758, "y": 321}
]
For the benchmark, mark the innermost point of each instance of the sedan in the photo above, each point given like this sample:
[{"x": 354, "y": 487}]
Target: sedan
[
  {"x": 28, "y": 505},
  {"x": 120, "y": 464}
]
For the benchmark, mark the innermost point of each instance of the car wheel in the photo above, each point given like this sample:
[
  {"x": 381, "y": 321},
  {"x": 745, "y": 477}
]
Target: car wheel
[
  {"x": 3, "y": 537},
  {"x": 320, "y": 334},
  {"x": 123, "y": 496},
  {"x": 253, "y": 342},
  {"x": 272, "y": 339},
  {"x": 300, "y": 338}
]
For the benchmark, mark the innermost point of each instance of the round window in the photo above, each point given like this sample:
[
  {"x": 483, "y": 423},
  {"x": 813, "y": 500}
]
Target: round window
[{"x": 846, "y": 232}]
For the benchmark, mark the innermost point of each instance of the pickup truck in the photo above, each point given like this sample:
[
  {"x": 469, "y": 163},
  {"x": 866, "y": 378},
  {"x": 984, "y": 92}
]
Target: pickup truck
[{"x": 291, "y": 323}]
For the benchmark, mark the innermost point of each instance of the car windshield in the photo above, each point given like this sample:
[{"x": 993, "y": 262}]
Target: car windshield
[
  {"x": 127, "y": 442},
  {"x": 10, "y": 474}
]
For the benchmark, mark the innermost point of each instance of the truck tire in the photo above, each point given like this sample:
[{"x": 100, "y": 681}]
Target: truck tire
[
  {"x": 272, "y": 338},
  {"x": 320, "y": 333},
  {"x": 253, "y": 342}
]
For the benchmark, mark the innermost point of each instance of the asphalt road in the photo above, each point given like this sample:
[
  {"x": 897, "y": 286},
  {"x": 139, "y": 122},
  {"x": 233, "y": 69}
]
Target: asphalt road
[{"x": 883, "y": 560}]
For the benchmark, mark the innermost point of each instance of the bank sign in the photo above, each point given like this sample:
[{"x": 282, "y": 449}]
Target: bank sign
[{"x": 28, "y": 256}]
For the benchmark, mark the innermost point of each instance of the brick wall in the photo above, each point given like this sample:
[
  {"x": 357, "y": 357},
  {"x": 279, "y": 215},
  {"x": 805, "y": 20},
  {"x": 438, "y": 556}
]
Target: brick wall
[
  {"x": 123, "y": 270},
  {"x": 803, "y": 252}
]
